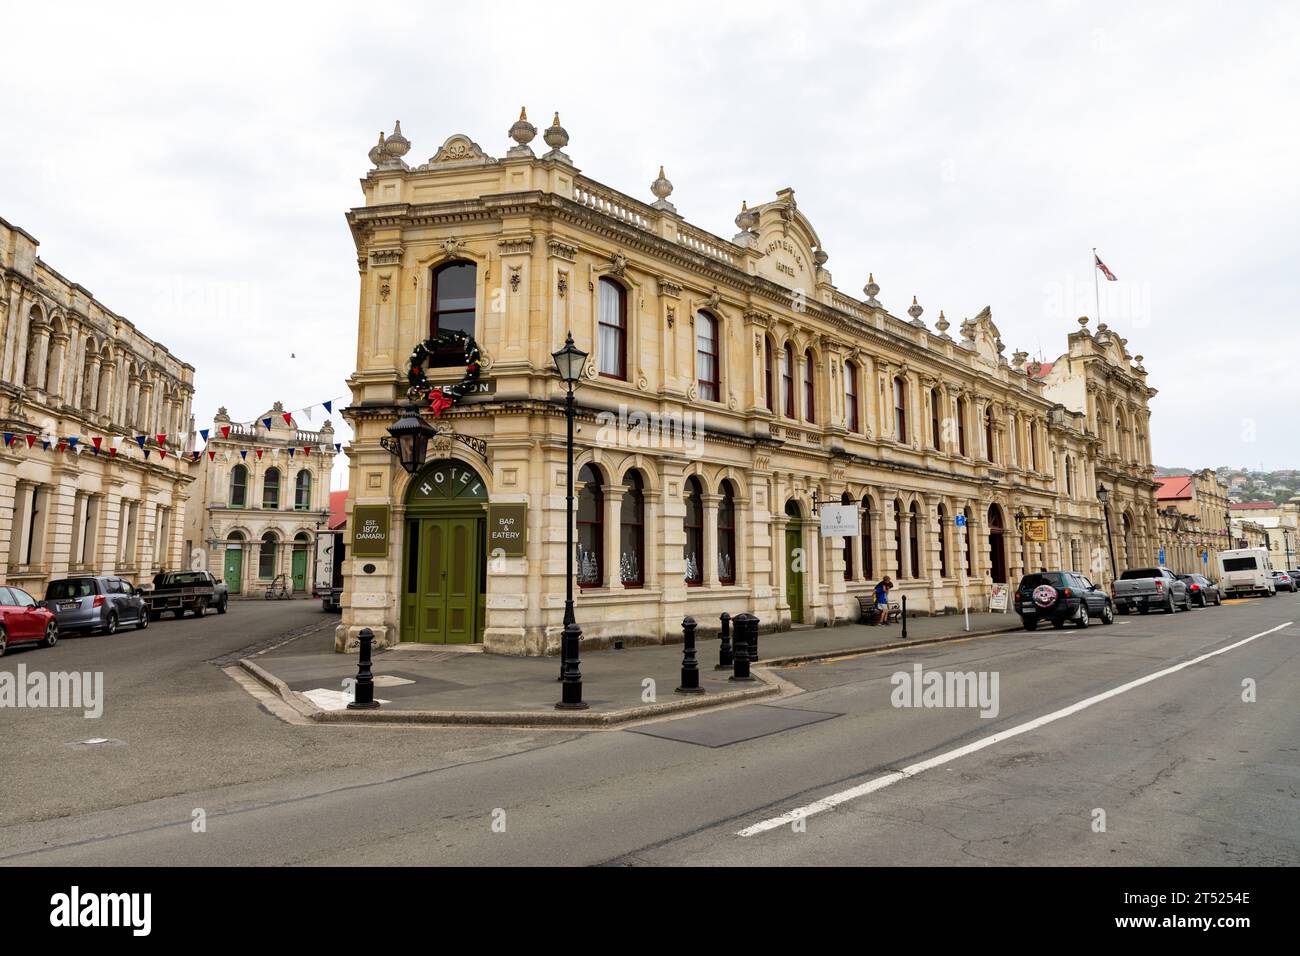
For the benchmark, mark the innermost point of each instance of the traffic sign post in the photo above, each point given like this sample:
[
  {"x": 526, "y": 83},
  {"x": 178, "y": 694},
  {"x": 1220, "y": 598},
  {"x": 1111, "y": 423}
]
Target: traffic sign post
[{"x": 960, "y": 521}]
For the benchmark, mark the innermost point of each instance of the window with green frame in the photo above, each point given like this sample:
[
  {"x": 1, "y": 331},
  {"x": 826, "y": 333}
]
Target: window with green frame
[{"x": 302, "y": 491}]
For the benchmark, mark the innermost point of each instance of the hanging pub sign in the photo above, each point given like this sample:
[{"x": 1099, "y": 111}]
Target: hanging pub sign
[
  {"x": 506, "y": 526},
  {"x": 370, "y": 527},
  {"x": 839, "y": 521}
]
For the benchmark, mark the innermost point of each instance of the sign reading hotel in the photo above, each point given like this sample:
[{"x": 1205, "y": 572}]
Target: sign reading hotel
[
  {"x": 370, "y": 524},
  {"x": 507, "y": 524}
]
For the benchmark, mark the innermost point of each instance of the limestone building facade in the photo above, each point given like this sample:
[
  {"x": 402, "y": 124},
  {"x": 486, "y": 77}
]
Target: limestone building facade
[
  {"x": 731, "y": 392},
  {"x": 1193, "y": 520},
  {"x": 73, "y": 369},
  {"x": 259, "y": 498}
]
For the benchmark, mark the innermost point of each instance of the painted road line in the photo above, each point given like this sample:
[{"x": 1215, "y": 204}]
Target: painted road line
[{"x": 889, "y": 779}]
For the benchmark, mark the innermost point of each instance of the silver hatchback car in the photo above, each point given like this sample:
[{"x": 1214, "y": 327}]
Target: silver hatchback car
[{"x": 100, "y": 603}]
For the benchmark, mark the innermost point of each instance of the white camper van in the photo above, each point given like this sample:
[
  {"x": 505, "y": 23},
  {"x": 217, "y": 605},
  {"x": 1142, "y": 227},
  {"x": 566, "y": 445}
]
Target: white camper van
[{"x": 1246, "y": 571}]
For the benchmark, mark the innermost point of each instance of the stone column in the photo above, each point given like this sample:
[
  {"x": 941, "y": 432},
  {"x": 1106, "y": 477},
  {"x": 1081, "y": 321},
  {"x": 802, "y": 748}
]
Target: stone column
[
  {"x": 612, "y": 504},
  {"x": 709, "y": 545}
]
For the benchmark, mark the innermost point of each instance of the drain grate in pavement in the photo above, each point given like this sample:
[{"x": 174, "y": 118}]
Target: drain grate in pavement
[{"x": 733, "y": 726}]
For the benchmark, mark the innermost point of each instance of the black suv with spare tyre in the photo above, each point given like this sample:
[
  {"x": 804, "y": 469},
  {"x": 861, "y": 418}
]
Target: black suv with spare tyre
[{"x": 1060, "y": 596}]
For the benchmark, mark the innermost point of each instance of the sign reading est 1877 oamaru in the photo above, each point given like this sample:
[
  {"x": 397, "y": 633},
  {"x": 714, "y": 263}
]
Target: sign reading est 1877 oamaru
[{"x": 370, "y": 526}]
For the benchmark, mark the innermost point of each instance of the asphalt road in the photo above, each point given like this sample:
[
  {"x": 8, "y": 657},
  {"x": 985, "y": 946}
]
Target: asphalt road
[{"x": 1180, "y": 768}]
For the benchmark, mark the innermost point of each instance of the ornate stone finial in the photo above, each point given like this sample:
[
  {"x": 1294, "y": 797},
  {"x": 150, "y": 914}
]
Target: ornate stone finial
[
  {"x": 943, "y": 325},
  {"x": 746, "y": 219},
  {"x": 662, "y": 189},
  {"x": 871, "y": 289},
  {"x": 377, "y": 152},
  {"x": 222, "y": 413},
  {"x": 820, "y": 256},
  {"x": 1083, "y": 324},
  {"x": 1102, "y": 327},
  {"x": 556, "y": 137},
  {"x": 1018, "y": 359},
  {"x": 1138, "y": 359},
  {"x": 397, "y": 145},
  {"x": 523, "y": 133},
  {"x": 915, "y": 310}
]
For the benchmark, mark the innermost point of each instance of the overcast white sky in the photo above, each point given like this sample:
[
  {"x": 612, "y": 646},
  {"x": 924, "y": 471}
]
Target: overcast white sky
[{"x": 193, "y": 170}]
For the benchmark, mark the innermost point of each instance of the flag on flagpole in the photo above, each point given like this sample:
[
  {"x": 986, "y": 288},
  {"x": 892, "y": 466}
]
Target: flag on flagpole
[{"x": 1110, "y": 276}]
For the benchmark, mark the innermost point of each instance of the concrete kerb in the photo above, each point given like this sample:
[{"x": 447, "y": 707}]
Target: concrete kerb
[{"x": 771, "y": 686}]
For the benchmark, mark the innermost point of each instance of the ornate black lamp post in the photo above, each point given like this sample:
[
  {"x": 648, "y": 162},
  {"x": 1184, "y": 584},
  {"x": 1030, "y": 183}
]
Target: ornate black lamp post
[
  {"x": 410, "y": 438},
  {"x": 1103, "y": 495},
  {"x": 569, "y": 362}
]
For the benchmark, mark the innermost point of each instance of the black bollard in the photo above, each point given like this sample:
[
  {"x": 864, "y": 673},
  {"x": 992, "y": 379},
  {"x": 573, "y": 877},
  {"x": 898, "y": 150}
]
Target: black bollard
[
  {"x": 571, "y": 672},
  {"x": 365, "y": 690},
  {"x": 690, "y": 667},
  {"x": 745, "y": 627},
  {"x": 753, "y": 639},
  {"x": 904, "y": 617},
  {"x": 724, "y": 649}
]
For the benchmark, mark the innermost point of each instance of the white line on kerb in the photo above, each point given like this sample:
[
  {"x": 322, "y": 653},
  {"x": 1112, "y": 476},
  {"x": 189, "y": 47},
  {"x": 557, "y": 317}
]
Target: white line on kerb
[{"x": 889, "y": 779}]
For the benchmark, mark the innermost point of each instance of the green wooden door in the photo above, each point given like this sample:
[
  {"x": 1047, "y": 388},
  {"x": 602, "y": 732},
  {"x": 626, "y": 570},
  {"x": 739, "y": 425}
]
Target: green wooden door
[
  {"x": 234, "y": 570},
  {"x": 443, "y": 559},
  {"x": 299, "y": 569},
  {"x": 794, "y": 559}
]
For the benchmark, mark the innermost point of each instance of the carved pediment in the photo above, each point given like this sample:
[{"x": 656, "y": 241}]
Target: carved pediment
[
  {"x": 788, "y": 243},
  {"x": 459, "y": 150},
  {"x": 984, "y": 337}
]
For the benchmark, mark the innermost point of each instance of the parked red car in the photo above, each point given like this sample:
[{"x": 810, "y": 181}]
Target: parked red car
[{"x": 23, "y": 621}]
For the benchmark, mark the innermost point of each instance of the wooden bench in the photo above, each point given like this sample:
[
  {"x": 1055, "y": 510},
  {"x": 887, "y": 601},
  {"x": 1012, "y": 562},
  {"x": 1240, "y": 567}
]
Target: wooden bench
[{"x": 867, "y": 607}]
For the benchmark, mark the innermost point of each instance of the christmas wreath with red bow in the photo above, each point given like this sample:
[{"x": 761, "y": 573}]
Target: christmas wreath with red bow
[{"x": 442, "y": 397}]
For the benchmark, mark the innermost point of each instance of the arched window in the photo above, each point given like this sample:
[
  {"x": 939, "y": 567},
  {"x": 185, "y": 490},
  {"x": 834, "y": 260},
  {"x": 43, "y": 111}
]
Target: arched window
[
  {"x": 970, "y": 544},
  {"x": 787, "y": 379},
  {"x": 693, "y": 551},
  {"x": 768, "y": 382},
  {"x": 613, "y": 329},
  {"x": 591, "y": 528},
  {"x": 935, "y": 433},
  {"x": 727, "y": 535},
  {"x": 302, "y": 491},
  {"x": 266, "y": 556},
  {"x": 707, "y": 372},
  {"x": 847, "y": 499},
  {"x": 271, "y": 489},
  {"x": 989, "y": 444},
  {"x": 239, "y": 487},
  {"x": 997, "y": 546},
  {"x": 868, "y": 550},
  {"x": 631, "y": 532},
  {"x": 898, "y": 536},
  {"x": 1033, "y": 445},
  {"x": 961, "y": 427},
  {"x": 943, "y": 541},
  {"x": 34, "y": 374},
  {"x": 809, "y": 388},
  {"x": 452, "y": 306},
  {"x": 913, "y": 537},
  {"x": 900, "y": 409},
  {"x": 851, "y": 396}
]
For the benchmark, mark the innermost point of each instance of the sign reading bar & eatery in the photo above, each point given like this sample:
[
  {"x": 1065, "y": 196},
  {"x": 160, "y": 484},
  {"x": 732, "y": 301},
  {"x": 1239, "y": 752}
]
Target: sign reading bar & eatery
[{"x": 507, "y": 524}]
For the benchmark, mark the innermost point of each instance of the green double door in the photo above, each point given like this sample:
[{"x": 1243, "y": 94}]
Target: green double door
[{"x": 444, "y": 564}]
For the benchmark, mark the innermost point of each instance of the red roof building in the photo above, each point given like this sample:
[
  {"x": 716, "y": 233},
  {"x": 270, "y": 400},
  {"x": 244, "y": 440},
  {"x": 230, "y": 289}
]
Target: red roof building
[
  {"x": 338, "y": 509},
  {"x": 1252, "y": 505},
  {"x": 1177, "y": 488}
]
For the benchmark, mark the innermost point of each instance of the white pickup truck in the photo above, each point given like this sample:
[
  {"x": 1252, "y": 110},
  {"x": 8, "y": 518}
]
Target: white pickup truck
[{"x": 1246, "y": 571}]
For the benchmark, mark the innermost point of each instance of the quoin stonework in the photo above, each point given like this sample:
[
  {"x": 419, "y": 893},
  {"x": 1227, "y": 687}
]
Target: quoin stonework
[
  {"x": 782, "y": 393},
  {"x": 73, "y": 367}
]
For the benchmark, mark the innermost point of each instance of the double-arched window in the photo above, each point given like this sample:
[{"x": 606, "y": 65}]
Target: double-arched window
[
  {"x": 239, "y": 487},
  {"x": 631, "y": 532},
  {"x": 707, "y": 368},
  {"x": 302, "y": 491},
  {"x": 693, "y": 551},
  {"x": 613, "y": 329},
  {"x": 727, "y": 535},
  {"x": 591, "y": 528}
]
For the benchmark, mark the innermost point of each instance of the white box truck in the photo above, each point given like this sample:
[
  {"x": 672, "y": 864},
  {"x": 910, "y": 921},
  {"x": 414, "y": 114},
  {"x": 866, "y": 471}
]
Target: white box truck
[
  {"x": 1246, "y": 571},
  {"x": 331, "y": 549}
]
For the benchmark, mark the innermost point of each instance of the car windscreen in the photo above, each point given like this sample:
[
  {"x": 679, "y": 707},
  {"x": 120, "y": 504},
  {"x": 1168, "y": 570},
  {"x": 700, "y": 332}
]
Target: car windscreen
[
  {"x": 1241, "y": 564},
  {"x": 71, "y": 588},
  {"x": 1138, "y": 573}
]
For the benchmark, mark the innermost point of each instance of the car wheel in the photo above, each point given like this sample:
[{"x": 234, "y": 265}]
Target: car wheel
[
  {"x": 1108, "y": 615},
  {"x": 110, "y": 626},
  {"x": 51, "y": 634},
  {"x": 4, "y": 641},
  {"x": 1201, "y": 601},
  {"x": 142, "y": 620},
  {"x": 221, "y": 608},
  {"x": 1083, "y": 616},
  {"x": 1170, "y": 608},
  {"x": 1030, "y": 623}
]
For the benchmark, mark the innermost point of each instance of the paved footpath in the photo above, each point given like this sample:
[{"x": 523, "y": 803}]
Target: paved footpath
[{"x": 432, "y": 678}]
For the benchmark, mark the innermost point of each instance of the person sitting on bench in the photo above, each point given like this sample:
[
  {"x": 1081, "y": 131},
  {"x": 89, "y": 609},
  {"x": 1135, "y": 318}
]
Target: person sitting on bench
[{"x": 882, "y": 599}]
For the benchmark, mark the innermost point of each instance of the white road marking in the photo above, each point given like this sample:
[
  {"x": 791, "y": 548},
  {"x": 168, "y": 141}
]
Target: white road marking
[
  {"x": 889, "y": 779},
  {"x": 327, "y": 699}
]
